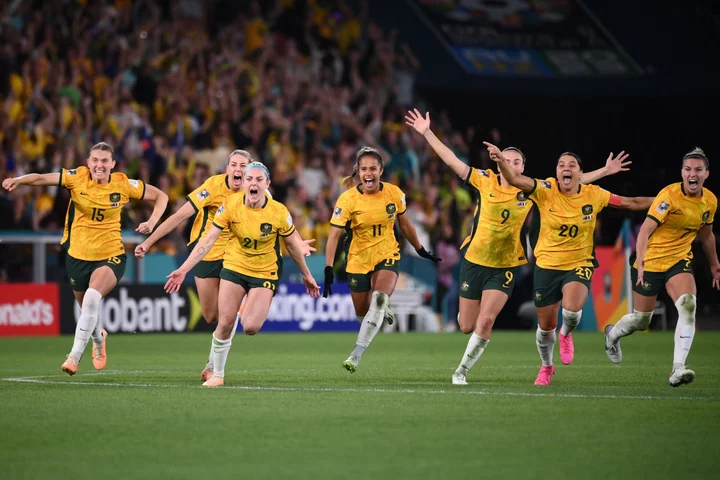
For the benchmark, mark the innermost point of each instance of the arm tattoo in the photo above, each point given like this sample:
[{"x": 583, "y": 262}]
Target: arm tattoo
[{"x": 201, "y": 251}]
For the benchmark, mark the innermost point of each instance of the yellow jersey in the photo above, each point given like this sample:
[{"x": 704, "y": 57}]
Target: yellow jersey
[
  {"x": 254, "y": 248},
  {"x": 371, "y": 219},
  {"x": 92, "y": 221},
  {"x": 567, "y": 224},
  {"x": 499, "y": 217},
  {"x": 679, "y": 219},
  {"x": 206, "y": 199}
]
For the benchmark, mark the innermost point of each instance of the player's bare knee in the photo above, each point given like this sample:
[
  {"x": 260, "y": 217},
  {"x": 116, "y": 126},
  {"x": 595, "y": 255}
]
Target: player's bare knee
[
  {"x": 251, "y": 328},
  {"x": 210, "y": 315},
  {"x": 467, "y": 328},
  {"x": 486, "y": 322}
]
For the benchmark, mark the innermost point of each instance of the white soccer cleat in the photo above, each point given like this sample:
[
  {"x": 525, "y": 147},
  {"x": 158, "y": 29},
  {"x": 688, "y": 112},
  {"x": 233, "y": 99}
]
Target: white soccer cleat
[
  {"x": 351, "y": 364},
  {"x": 681, "y": 376},
  {"x": 613, "y": 351},
  {"x": 459, "y": 377}
]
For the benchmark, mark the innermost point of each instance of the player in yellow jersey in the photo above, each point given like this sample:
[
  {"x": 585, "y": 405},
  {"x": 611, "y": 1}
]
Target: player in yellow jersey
[
  {"x": 95, "y": 260},
  {"x": 252, "y": 262},
  {"x": 565, "y": 249},
  {"x": 370, "y": 211},
  {"x": 680, "y": 212},
  {"x": 494, "y": 251}
]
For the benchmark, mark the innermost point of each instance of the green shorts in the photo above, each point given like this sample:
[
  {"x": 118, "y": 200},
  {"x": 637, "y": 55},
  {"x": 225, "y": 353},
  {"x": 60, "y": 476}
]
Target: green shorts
[
  {"x": 361, "y": 282},
  {"x": 208, "y": 269},
  {"x": 79, "y": 271},
  {"x": 247, "y": 282},
  {"x": 653, "y": 282},
  {"x": 474, "y": 279},
  {"x": 549, "y": 283}
]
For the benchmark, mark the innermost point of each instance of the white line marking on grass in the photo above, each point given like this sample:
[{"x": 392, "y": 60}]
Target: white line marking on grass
[{"x": 37, "y": 380}]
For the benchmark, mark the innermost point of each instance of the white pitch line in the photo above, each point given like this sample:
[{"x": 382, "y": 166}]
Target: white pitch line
[{"x": 357, "y": 390}]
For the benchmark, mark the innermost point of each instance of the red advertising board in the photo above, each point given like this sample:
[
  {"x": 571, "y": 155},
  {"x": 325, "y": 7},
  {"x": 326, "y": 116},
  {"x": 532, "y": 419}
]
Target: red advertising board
[{"x": 29, "y": 309}]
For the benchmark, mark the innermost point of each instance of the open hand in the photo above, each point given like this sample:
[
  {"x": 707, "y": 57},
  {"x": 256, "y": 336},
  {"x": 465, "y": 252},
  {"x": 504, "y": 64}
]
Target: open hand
[{"x": 415, "y": 120}]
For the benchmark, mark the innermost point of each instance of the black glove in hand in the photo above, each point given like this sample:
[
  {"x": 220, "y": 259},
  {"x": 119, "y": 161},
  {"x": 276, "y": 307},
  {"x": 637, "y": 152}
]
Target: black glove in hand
[
  {"x": 430, "y": 256},
  {"x": 329, "y": 279}
]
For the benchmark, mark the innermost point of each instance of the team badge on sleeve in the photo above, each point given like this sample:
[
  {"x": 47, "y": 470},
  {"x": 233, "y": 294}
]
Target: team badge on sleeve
[
  {"x": 134, "y": 183},
  {"x": 663, "y": 207},
  {"x": 337, "y": 212},
  {"x": 220, "y": 210},
  {"x": 289, "y": 220},
  {"x": 402, "y": 200},
  {"x": 203, "y": 194},
  {"x": 706, "y": 216},
  {"x": 483, "y": 173},
  {"x": 545, "y": 184},
  {"x": 72, "y": 172}
]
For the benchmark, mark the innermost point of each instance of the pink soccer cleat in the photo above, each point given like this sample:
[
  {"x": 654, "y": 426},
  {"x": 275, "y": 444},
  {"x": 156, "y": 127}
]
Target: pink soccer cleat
[
  {"x": 567, "y": 349},
  {"x": 545, "y": 375}
]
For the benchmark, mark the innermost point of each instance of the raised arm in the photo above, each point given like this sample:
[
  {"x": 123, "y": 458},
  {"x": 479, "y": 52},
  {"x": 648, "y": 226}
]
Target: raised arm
[
  {"x": 422, "y": 126},
  {"x": 612, "y": 166},
  {"x": 175, "y": 279},
  {"x": 707, "y": 240},
  {"x": 631, "y": 203},
  {"x": 185, "y": 212},
  {"x": 160, "y": 199},
  {"x": 408, "y": 231},
  {"x": 330, "y": 249},
  {"x": 33, "y": 180},
  {"x": 647, "y": 228},
  {"x": 295, "y": 248},
  {"x": 517, "y": 180}
]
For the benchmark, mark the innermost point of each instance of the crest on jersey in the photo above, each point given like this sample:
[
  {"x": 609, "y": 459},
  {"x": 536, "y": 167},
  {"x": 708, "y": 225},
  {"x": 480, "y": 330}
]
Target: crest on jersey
[
  {"x": 587, "y": 209},
  {"x": 72, "y": 172},
  {"x": 521, "y": 196},
  {"x": 265, "y": 229},
  {"x": 545, "y": 184},
  {"x": 663, "y": 207},
  {"x": 337, "y": 212},
  {"x": 203, "y": 194},
  {"x": 114, "y": 197},
  {"x": 706, "y": 216},
  {"x": 390, "y": 208}
]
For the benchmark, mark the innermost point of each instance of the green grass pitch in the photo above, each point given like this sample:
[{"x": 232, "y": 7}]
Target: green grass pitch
[{"x": 289, "y": 410}]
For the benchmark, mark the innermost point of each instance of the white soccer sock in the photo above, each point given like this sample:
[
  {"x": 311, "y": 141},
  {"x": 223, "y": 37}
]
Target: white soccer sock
[
  {"x": 570, "y": 321},
  {"x": 360, "y": 318},
  {"x": 220, "y": 351},
  {"x": 371, "y": 323},
  {"x": 86, "y": 322},
  {"x": 211, "y": 362},
  {"x": 475, "y": 347},
  {"x": 97, "y": 337},
  {"x": 685, "y": 329},
  {"x": 235, "y": 325},
  {"x": 629, "y": 324},
  {"x": 545, "y": 340}
]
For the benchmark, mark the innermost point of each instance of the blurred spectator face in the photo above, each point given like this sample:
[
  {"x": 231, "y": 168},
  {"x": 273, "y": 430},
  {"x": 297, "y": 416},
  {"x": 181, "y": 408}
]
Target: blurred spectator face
[{"x": 100, "y": 163}]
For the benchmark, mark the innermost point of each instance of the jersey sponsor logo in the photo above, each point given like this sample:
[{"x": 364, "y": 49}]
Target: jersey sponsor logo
[
  {"x": 114, "y": 197},
  {"x": 83, "y": 193},
  {"x": 337, "y": 212},
  {"x": 706, "y": 216},
  {"x": 587, "y": 209},
  {"x": 203, "y": 194},
  {"x": 545, "y": 184},
  {"x": 265, "y": 229},
  {"x": 134, "y": 183},
  {"x": 663, "y": 207},
  {"x": 72, "y": 172}
]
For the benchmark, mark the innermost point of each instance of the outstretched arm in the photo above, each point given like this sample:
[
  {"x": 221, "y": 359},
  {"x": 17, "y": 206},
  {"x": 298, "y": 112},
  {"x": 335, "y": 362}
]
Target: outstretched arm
[
  {"x": 160, "y": 199},
  {"x": 198, "y": 253},
  {"x": 422, "y": 126},
  {"x": 517, "y": 180},
  {"x": 295, "y": 248},
  {"x": 631, "y": 203},
  {"x": 647, "y": 228},
  {"x": 707, "y": 239},
  {"x": 185, "y": 212},
  {"x": 32, "y": 179},
  {"x": 408, "y": 230},
  {"x": 612, "y": 166},
  {"x": 332, "y": 244}
]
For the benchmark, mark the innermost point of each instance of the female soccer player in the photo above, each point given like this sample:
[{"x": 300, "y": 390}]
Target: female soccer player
[
  {"x": 205, "y": 201},
  {"x": 494, "y": 251},
  {"x": 680, "y": 212},
  {"x": 95, "y": 253},
  {"x": 252, "y": 263},
  {"x": 565, "y": 249},
  {"x": 370, "y": 211}
]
